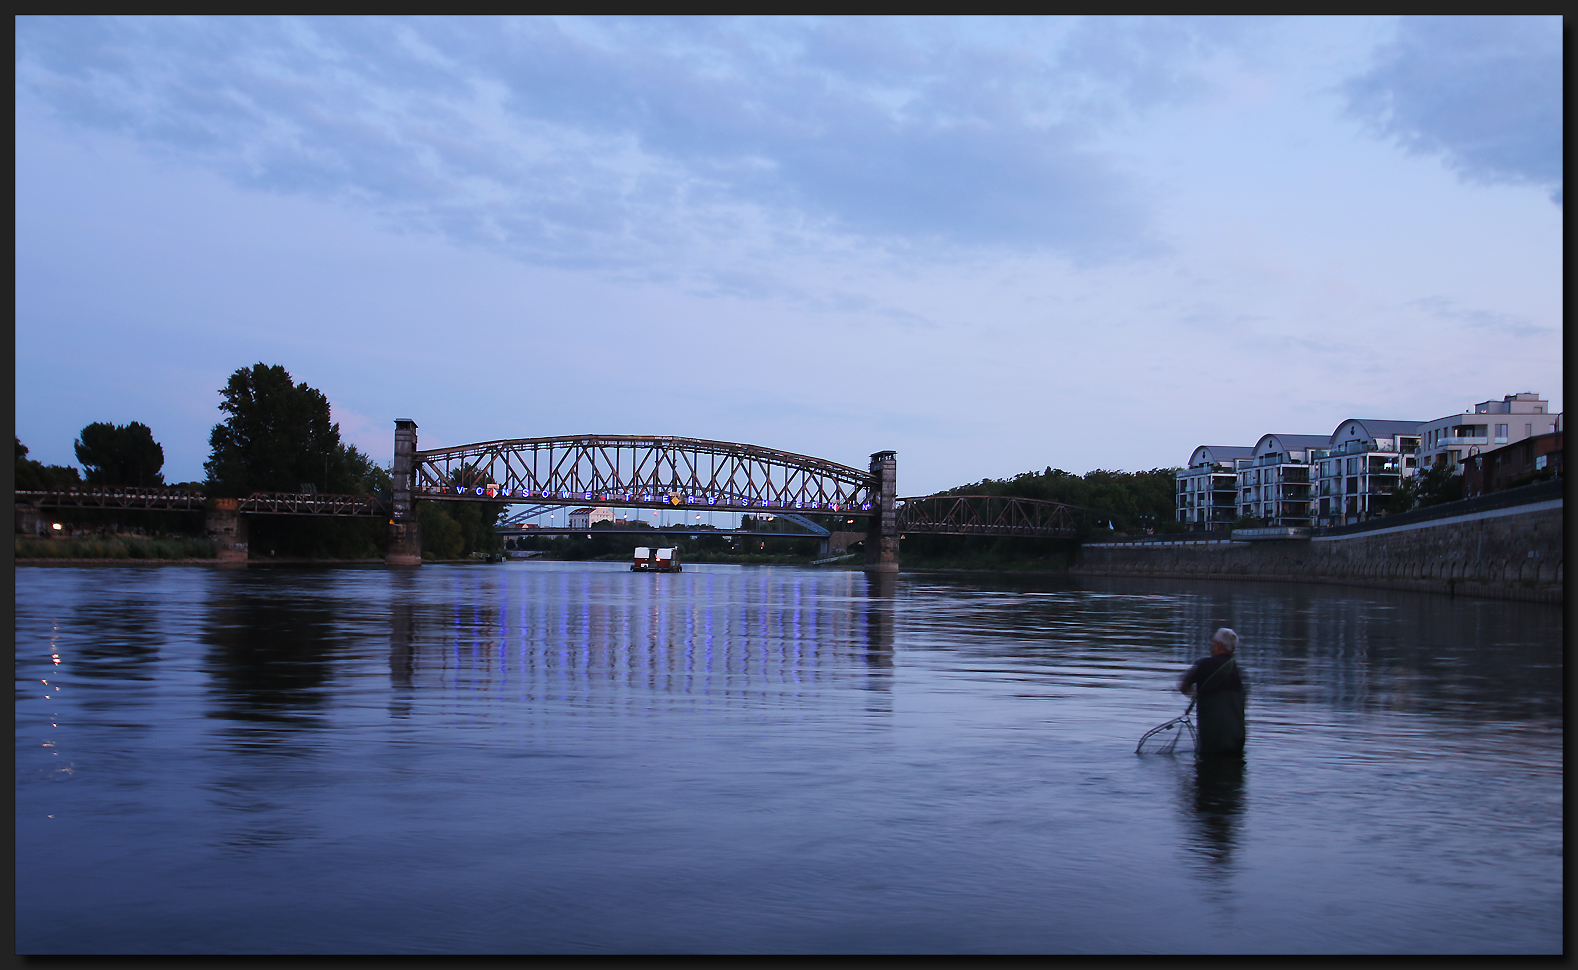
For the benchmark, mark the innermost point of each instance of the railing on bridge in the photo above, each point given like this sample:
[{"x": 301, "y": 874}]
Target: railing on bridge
[
  {"x": 111, "y": 497},
  {"x": 639, "y": 472},
  {"x": 987, "y": 515},
  {"x": 192, "y": 500}
]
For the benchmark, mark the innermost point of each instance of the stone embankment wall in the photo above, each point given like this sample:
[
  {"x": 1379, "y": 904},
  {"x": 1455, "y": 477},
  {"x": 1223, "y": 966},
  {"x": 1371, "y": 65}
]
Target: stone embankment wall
[{"x": 1513, "y": 553}]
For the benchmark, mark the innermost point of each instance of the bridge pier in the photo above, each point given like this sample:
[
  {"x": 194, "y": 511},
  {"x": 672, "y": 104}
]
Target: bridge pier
[
  {"x": 882, "y": 536},
  {"x": 28, "y": 521},
  {"x": 404, "y": 546},
  {"x": 224, "y": 524}
]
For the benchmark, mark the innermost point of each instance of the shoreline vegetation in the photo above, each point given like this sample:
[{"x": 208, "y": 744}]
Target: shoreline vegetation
[{"x": 116, "y": 548}]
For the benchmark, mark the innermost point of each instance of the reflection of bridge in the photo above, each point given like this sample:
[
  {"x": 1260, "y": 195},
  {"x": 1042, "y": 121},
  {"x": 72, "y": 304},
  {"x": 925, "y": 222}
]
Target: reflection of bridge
[{"x": 623, "y": 470}]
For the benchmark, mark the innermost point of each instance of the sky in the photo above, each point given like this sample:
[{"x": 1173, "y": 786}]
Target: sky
[{"x": 990, "y": 245}]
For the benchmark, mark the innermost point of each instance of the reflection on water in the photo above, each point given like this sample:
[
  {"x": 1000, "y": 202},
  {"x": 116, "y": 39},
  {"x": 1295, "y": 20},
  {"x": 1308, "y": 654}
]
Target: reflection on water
[
  {"x": 543, "y": 757},
  {"x": 1212, "y": 801},
  {"x": 608, "y": 639},
  {"x": 269, "y": 656}
]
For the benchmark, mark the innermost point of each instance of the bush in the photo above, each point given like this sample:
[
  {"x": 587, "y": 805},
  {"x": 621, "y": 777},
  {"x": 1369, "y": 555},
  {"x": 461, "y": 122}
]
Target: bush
[{"x": 117, "y": 547}]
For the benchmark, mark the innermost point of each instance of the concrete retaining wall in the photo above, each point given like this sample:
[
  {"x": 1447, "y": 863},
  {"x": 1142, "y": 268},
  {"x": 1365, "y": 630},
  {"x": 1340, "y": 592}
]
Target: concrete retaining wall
[{"x": 1513, "y": 553}]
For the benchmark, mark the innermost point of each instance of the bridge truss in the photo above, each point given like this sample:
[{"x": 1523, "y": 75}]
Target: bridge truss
[
  {"x": 639, "y": 472},
  {"x": 192, "y": 500},
  {"x": 987, "y": 515}
]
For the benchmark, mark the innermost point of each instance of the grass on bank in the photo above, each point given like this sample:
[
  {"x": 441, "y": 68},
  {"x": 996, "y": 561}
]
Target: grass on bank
[{"x": 117, "y": 547}]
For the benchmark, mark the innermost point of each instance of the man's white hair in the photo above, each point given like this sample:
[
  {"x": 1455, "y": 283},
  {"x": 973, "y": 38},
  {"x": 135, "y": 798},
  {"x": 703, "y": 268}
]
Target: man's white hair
[{"x": 1227, "y": 638}]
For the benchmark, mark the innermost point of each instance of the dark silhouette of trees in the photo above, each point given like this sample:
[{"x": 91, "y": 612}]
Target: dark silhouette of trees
[
  {"x": 32, "y": 474},
  {"x": 452, "y": 530},
  {"x": 278, "y": 437},
  {"x": 117, "y": 454}
]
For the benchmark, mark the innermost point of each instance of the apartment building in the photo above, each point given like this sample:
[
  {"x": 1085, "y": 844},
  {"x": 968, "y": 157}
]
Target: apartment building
[
  {"x": 1488, "y": 426},
  {"x": 1365, "y": 462},
  {"x": 1207, "y": 490},
  {"x": 1276, "y": 484}
]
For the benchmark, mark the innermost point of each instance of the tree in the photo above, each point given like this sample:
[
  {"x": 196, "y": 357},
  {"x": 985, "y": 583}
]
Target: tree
[
  {"x": 33, "y": 475},
  {"x": 120, "y": 454},
  {"x": 451, "y": 530},
  {"x": 1439, "y": 484},
  {"x": 278, "y": 437}
]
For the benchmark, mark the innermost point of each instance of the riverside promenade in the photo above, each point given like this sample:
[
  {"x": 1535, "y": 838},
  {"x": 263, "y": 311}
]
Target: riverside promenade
[{"x": 1506, "y": 545}]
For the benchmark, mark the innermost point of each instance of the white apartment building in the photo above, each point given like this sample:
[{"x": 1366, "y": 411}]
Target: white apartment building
[
  {"x": 1207, "y": 490},
  {"x": 1488, "y": 426},
  {"x": 1276, "y": 484},
  {"x": 583, "y": 518},
  {"x": 1366, "y": 460}
]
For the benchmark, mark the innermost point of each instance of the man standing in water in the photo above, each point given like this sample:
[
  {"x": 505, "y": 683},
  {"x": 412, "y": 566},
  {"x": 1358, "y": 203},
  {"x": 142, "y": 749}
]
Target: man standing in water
[{"x": 1221, "y": 696}]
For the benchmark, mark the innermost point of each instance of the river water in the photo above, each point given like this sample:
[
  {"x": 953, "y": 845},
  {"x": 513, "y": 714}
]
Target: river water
[{"x": 572, "y": 758}]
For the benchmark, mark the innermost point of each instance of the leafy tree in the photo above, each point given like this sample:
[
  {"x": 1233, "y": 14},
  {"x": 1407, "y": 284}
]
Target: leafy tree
[
  {"x": 441, "y": 535},
  {"x": 452, "y": 530},
  {"x": 1130, "y": 500},
  {"x": 1440, "y": 483},
  {"x": 32, "y": 474},
  {"x": 278, "y": 437},
  {"x": 120, "y": 454}
]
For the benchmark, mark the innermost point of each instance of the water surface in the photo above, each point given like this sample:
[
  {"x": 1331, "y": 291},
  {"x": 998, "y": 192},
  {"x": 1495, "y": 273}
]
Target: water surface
[{"x": 572, "y": 758}]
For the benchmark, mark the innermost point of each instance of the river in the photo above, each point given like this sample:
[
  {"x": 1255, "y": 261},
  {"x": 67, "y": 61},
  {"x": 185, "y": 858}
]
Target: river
[{"x": 541, "y": 757}]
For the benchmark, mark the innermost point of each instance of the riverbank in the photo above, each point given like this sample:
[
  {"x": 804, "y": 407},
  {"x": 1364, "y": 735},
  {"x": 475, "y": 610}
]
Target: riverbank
[
  {"x": 115, "y": 548},
  {"x": 1513, "y": 553}
]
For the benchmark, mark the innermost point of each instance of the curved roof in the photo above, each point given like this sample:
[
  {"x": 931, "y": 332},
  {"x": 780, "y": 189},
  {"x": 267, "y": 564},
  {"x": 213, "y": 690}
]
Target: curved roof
[
  {"x": 1295, "y": 442},
  {"x": 1220, "y": 453},
  {"x": 1379, "y": 427}
]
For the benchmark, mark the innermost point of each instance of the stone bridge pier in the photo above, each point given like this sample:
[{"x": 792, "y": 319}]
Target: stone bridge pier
[
  {"x": 882, "y": 536},
  {"x": 223, "y": 523},
  {"x": 405, "y": 533}
]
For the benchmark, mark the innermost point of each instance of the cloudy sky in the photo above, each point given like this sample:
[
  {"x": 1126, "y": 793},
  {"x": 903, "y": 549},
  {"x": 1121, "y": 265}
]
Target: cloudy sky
[{"x": 990, "y": 245}]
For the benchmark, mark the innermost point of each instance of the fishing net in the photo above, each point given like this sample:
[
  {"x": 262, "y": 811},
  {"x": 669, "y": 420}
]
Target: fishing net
[{"x": 1163, "y": 738}]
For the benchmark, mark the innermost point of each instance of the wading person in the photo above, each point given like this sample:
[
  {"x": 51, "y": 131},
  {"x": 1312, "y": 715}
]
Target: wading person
[{"x": 1219, "y": 688}]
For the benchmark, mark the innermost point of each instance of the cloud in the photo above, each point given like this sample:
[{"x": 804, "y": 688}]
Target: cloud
[
  {"x": 1484, "y": 93},
  {"x": 617, "y": 143},
  {"x": 1507, "y": 324}
]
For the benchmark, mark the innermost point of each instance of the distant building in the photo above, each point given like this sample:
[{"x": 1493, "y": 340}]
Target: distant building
[
  {"x": 1365, "y": 463},
  {"x": 1275, "y": 484},
  {"x": 1488, "y": 426},
  {"x": 583, "y": 518},
  {"x": 1207, "y": 490}
]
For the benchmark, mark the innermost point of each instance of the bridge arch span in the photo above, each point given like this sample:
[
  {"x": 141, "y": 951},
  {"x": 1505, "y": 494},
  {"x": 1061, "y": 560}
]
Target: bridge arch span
[{"x": 639, "y": 471}]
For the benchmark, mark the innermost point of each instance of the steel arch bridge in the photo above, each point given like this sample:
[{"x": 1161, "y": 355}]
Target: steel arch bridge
[{"x": 639, "y": 472}]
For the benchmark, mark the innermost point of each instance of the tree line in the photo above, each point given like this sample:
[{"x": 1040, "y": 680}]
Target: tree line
[
  {"x": 277, "y": 435},
  {"x": 1117, "y": 500}
]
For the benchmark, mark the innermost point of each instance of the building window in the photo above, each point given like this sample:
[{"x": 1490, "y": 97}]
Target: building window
[{"x": 1528, "y": 431}]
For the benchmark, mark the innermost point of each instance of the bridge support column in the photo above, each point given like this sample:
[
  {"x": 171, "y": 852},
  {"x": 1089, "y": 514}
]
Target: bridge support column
[
  {"x": 882, "y": 535},
  {"x": 404, "y": 547},
  {"x": 28, "y": 521},
  {"x": 224, "y": 524}
]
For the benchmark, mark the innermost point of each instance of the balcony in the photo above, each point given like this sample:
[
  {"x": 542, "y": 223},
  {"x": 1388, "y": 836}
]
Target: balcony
[{"x": 1481, "y": 440}]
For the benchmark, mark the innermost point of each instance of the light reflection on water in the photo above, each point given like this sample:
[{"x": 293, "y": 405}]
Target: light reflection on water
[{"x": 544, "y": 757}]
